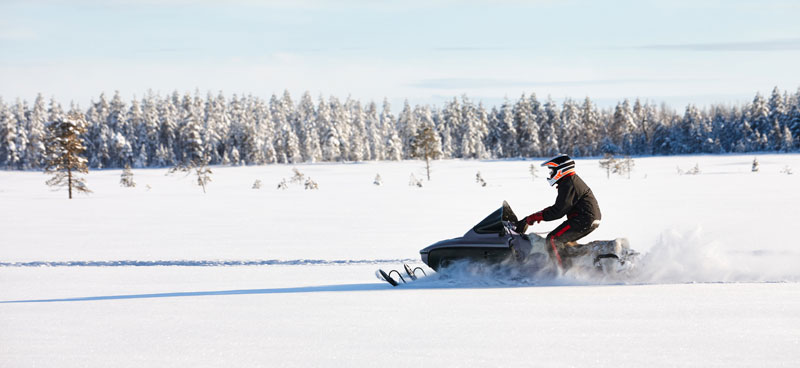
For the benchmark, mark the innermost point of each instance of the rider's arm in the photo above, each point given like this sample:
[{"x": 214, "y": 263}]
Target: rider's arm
[{"x": 565, "y": 200}]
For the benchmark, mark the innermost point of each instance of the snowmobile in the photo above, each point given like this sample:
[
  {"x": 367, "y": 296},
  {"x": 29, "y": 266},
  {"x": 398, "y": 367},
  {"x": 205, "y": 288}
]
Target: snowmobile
[{"x": 494, "y": 241}]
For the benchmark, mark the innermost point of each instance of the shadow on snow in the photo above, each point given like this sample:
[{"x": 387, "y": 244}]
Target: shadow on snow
[{"x": 289, "y": 290}]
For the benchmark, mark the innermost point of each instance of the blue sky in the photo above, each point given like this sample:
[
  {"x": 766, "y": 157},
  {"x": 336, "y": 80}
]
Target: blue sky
[{"x": 426, "y": 51}]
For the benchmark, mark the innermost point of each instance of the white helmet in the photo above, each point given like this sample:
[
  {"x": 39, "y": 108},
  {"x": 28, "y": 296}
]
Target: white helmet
[{"x": 559, "y": 166}]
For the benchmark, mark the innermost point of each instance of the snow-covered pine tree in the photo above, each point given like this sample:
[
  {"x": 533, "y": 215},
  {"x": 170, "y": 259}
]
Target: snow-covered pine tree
[
  {"x": 407, "y": 128},
  {"x": 308, "y": 133},
  {"x": 286, "y": 143},
  {"x": 794, "y": 122},
  {"x": 473, "y": 131},
  {"x": 590, "y": 129},
  {"x": 507, "y": 134},
  {"x": 359, "y": 146},
  {"x": 63, "y": 154},
  {"x": 550, "y": 129},
  {"x": 571, "y": 129},
  {"x": 523, "y": 121},
  {"x": 777, "y": 119},
  {"x": 374, "y": 130},
  {"x": 37, "y": 120},
  {"x": 758, "y": 119},
  {"x": 190, "y": 135},
  {"x": 788, "y": 140},
  {"x": 480, "y": 132},
  {"x": 215, "y": 127},
  {"x": 341, "y": 120},
  {"x": 54, "y": 111},
  {"x": 9, "y": 155},
  {"x": 278, "y": 122},
  {"x": 622, "y": 126},
  {"x": 393, "y": 140},
  {"x": 329, "y": 133},
  {"x": 493, "y": 137},
  {"x": 450, "y": 122},
  {"x": 138, "y": 137},
  {"x": 126, "y": 178},
  {"x": 260, "y": 135}
]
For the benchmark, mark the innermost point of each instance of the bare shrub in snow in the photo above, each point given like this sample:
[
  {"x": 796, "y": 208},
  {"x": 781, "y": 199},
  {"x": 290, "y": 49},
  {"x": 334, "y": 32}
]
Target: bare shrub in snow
[
  {"x": 257, "y": 184},
  {"x": 532, "y": 169},
  {"x": 754, "y": 168},
  {"x": 786, "y": 170},
  {"x": 608, "y": 162},
  {"x": 378, "y": 181},
  {"x": 694, "y": 171},
  {"x": 623, "y": 167},
  {"x": 479, "y": 179}
]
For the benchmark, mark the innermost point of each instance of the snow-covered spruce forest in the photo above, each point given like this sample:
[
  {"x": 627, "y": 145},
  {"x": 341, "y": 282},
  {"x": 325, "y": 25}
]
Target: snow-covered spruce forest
[{"x": 159, "y": 131}]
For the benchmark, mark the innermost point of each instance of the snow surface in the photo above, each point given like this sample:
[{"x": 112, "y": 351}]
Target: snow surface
[{"x": 169, "y": 276}]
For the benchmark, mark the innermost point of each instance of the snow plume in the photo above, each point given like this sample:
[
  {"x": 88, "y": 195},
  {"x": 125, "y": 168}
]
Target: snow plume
[
  {"x": 689, "y": 257},
  {"x": 677, "y": 257}
]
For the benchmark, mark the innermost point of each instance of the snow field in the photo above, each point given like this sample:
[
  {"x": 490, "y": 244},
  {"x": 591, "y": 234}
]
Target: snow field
[{"x": 717, "y": 287}]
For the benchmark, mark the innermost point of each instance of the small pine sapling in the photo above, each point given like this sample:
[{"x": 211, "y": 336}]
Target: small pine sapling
[
  {"x": 378, "y": 181},
  {"x": 754, "y": 168},
  {"x": 63, "y": 149},
  {"x": 479, "y": 179},
  {"x": 532, "y": 169},
  {"x": 282, "y": 185},
  {"x": 257, "y": 184},
  {"x": 311, "y": 184},
  {"x": 126, "y": 179},
  {"x": 426, "y": 146},
  {"x": 414, "y": 182}
]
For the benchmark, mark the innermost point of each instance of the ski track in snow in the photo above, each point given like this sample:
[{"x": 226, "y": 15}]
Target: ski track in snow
[{"x": 205, "y": 263}]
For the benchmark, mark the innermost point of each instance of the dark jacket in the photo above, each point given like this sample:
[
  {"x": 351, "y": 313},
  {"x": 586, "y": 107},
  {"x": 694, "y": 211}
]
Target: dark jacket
[{"x": 575, "y": 199}]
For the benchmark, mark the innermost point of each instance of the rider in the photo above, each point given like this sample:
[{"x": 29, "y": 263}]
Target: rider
[{"x": 575, "y": 200}]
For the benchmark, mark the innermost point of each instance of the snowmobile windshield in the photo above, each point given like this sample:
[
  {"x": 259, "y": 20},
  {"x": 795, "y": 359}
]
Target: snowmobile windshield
[{"x": 493, "y": 224}]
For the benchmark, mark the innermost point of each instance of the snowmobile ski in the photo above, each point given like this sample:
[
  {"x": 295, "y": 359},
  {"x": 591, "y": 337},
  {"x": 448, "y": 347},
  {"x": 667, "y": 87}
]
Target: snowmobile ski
[
  {"x": 412, "y": 271},
  {"x": 383, "y": 275}
]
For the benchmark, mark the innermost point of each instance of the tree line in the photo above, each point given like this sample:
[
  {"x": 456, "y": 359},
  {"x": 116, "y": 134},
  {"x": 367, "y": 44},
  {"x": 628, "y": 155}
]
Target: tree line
[{"x": 167, "y": 131}]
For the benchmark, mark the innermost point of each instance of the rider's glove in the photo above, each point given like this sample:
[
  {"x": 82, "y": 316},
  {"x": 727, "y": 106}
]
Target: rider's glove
[{"x": 534, "y": 218}]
